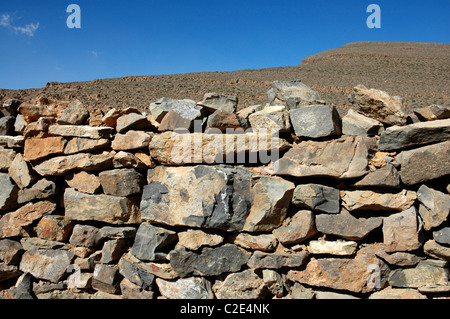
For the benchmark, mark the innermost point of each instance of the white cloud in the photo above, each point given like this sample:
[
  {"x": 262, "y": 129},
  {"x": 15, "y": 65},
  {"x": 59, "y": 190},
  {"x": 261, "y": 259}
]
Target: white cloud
[{"x": 28, "y": 29}]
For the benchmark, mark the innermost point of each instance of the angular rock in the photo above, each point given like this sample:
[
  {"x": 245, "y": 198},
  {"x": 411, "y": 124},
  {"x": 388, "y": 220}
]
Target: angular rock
[
  {"x": 292, "y": 94},
  {"x": 131, "y": 140},
  {"x": 223, "y": 120},
  {"x": 82, "y": 161},
  {"x": 424, "y": 163},
  {"x": 114, "y": 232},
  {"x": 20, "y": 124},
  {"x": 121, "y": 182},
  {"x": 263, "y": 242},
  {"x": 10, "y": 251},
  {"x": 347, "y": 226},
  {"x": 369, "y": 200},
  {"x": 113, "y": 249},
  {"x": 433, "y": 112},
  {"x": 84, "y": 182},
  {"x": 15, "y": 223},
  {"x": 79, "y": 144},
  {"x": 103, "y": 208},
  {"x": 427, "y": 273},
  {"x": 23, "y": 288},
  {"x": 194, "y": 239},
  {"x": 110, "y": 118},
  {"x": 317, "y": 197},
  {"x": 106, "y": 279},
  {"x": 328, "y": 247},
  {"x": 132, "y": 121},
  {"x": 315, "y": 121},
  {"x": 8, "y": 272},
  {"x": 300, "y": 292},
  {"x": 21, "y": 172},
  {"x": 397, "y": 293},
  {"x": 241, "y": 285},
  {"x": 435, "y": 250},
  {"x": 40, "y": 147},
  {"x": 9, "y": 107},
  {"x": 184, "y": 112},
  {"x": 8, "y": 192},
  {"x": 150, "y": 242},
  {"x": 379, "y": 105},
  {"x": 401, "y": 259},
  {"x": 434, "y": 208},
  {"x": 42, "y": 189},
  {"x": 54, "y": 227},
  {"x": 277, "y": 260},
  {"x": 387, "y": 176},
  {"x": 297, "y": 228},
  {"x": 442, "y": 236},
  {"x": 6, "y": 158},
  {"x": 11, "y": 141},
  {"x": 215, "y": 197},
  {"x": 130, "y": 290},
  {"x": 272, "y": 118},
  {"x": 81, "y": 131},
  {"x": 187, "y": 288},
  {"x": 39, "y": 128},
  {"x": 137, "y": 272},
  {"x": 273, "y": 282},
  {"x": 349, "y": 274},
  {"x": 170, "y": 148},
  {"x": 209, "y": 261},
  {"x": 357, "y": 124},
  {"x": 46, "y": 264},
  {"x": 341, "y": 158},
  {"x": 85, "y": 235},
  {"x": 400, "y": 137},
  {"x": 33, "y": 243},
  {"x": 7, "y": 125},
  {"x": 74, "y": 114},
  {"x": 129, "y": 160},
  {"x": 402, "y": 231},
  {"x": 216, "y": 101}
]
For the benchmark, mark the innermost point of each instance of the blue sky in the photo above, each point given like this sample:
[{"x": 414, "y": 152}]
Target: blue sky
[{"x": 147, "y": 37}]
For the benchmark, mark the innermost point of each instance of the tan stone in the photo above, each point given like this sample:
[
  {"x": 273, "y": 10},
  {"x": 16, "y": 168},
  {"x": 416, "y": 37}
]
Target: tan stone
[
  {"x": 21, "y": 172},
  {"x": 79, "y": 144},
  {"x": 40, "y": 147},
  {"x": 84, "y": 182},
  {"x": 369, "y": 200},
  {"x": 193, "y": 239},
  {"x": 263, "y": 242},
  {"x": 296, "y": 229},
  {"x": 339, "y": 247},
  {"x": 131, "y": 140},
  {"x": 80, "y": 131},
  {"x": 401, "y": 231}
]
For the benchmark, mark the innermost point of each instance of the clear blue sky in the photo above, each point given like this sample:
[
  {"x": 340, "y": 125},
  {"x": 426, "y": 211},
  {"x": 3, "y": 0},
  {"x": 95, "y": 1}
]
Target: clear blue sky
[{"x": 148, "y": 37}]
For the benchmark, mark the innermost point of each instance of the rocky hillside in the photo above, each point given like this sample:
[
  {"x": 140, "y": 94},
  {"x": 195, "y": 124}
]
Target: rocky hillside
[
  {"x": 187, "y": 202},
  {"x": 418, "y": 72}
]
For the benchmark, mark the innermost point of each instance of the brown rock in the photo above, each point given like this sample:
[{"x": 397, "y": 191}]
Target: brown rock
[
  {"x": 401, "y": 231},
  {"x": 428, "y": 272},
  {"x": 12, "y": 141},
  {"x": 263, "y": 242},
  {"x": 397, "y": 293},
  {"x": 341, "y": 158},
  {"x": 54, "y": 227},
  {"x": 10, "y": 251},
  {"x": 368, "y": 200},
  {"x": 129, "y": 160},
  {"x": 80, "y": 131},
  {"x": 193, "y": 239},
  {"x": 349, "y": 274},
  {"x": 186, "y": 288},
  {"x": 13, "y": 224},
  {"x": 132, "y": 121},
  {"x": 74, "y": 114},
  {"x": 85, "y": 235},
  {"x": 40, "y": 190},
  {"x": 222, "y": 120},
  {"x": 241, "y": 285},
  {"x": 106, "y": 279},
  {"x": 84, "y": 182},
  {"x": 110, "y": 118},
  {"x": 79, "y": 144},
  {"x": 6, "y": 158},
  {"x": 21, "y": 172},
  {"x": 121, "y": 182},
  {"x": 41, "y": 107},
  {"x": 296, "y": 229},
  {"x": 435, "y": 250},
  {"x": 40, "y": 147},
  {"x": 131, "y": 140},
  {"x": 82, "y": 161},
  {"x": 386, "y": 176},
  {"x": 434, "y": 208}
]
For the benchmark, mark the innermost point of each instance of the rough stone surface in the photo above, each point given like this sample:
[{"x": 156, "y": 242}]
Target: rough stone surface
[
  {"x": 424, "y": 163},
  {"x": 357, "y": 124},
  {"x": 84, "y": 182},
  {"x": 80, "y": 131},
  {"x": 85, "y": 235},
  {"x": 317, "y": 197},
  {"x": 121, "y": 182},
  {"x": 264, "y": 242},
  {"x": 10, "y": 251},
  {"x": 187, "y": 288},
  {"x": 272, "y": 118},
  {"x": 341, "y": 158},
  {"x": 54, "y": 227},
  {"x": 426, "y": 273},
  {"x": 6, "y": 158},
  {"x": 315, "y": 121},
  {"x": 401, "y": 231},
  {"x": 194, "y": 239},
  {"x": 399, "y": 137},
  {"x": 42, "y": 189},
  {"x": 150, "y": 240},
  {"x": 434, "y": 208},
  {"x": 141, "y": 274},
  {"x": 215, "y": 197},
  {"x": 21, "y": 172},
  {"x": 433, "y": 112},
  {"x": 105, "y": 208},
  {"x": 216, "y": 101},
  {"x": 40, "y": 147},
  {"x": 209, "y": 261},
  {"x": 223, "y": 120},
  {"x": 442, "y": 236},
  {"x": 74, "y": 114},
  {"x": 8, "y": 193},
  {"x": 292, "y": 94},
  {"x": 132, "y": 121},
  {"x": 342, "y": 273},
  {"x": 387, "y": 176},
  {"x": 175, "y": 114},
  {"x": 379, "y": 105},
  {"x": 435, "y": 250},
  {"x": 277, "y": 260},
  {"x": 369, "y": 200},
  {"x": 241, "y": 285},
  {"x": 106, "y": 279},
  {"x": 131, "y": 140},
  {"x": 297, "y": 228},
  {"x": 44, "y": 264},
  {"x": 397, "y": 293},
  {"x": 346, "y": 225},
  {"x": 328, "y": 247}
]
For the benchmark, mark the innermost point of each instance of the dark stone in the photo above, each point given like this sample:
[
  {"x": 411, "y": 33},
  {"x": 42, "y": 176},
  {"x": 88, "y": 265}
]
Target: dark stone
[{"x": 150, "y": 240}]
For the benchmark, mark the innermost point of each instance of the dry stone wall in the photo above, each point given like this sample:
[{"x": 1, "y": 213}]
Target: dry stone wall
[{"x": 194, "y": 200}]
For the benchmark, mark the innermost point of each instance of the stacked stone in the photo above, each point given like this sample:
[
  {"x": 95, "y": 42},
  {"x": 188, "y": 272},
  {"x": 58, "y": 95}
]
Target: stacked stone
[{"x": 104, "y": 206}]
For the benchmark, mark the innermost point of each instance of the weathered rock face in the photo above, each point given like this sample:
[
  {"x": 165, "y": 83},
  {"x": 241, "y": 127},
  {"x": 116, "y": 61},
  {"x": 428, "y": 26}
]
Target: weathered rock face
[
  {"x": 434, "y": 208},
  {"x": 379, "y": 105},
  {"x": 387, "y": 176},
  {"x": 315, "y": 121},
  {"x": 215, "y": 197},
  {"x": 292, "y": 94},
  {"x": 317, "y": 197},
  {"x": 272, "y": 118},
  {"x": 83, "y": 161},
  {"x": 399, "y": 137},
  {"x": 175, "y": 114},
  {"x": 357, "y": 124},
  {"x": 150, "y": 240},
  {"x": 216, "y": 101},
  {"x": 424, "y": 163},
  {"x": 342, "y": 158},
  {"x": 368, "y": 200},
  {"x": 402, "y": 231},
  {"x": 187, "y": 288},
  {"x": 242, "y": 285},
  {"x": 171, "y": 148},
  {"x": 121, "y": 182},
  {"x": 426, "y": 273},
  {"x": 8, "y": 193},
  {"x": 296, "y": 229}
]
